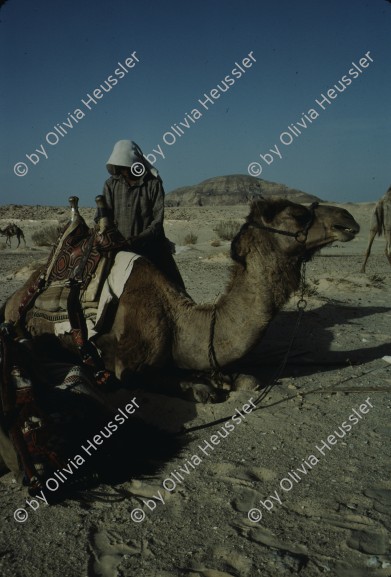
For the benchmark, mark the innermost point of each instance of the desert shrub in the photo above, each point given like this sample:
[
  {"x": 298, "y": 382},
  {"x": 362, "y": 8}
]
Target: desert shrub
[
  {"x": 190, "y": 238},
  {"x": 227, "y": 229},
  {"x": 46, "y": 236},
  {"x": 376, "y": 280}
]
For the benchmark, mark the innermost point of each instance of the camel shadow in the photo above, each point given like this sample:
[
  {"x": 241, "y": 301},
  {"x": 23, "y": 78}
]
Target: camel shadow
[
  {"x": 135, "y": 450},
  {"x": 315, "y": 347}
]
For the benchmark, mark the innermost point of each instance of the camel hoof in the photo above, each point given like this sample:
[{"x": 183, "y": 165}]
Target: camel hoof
[
  {"x": 246, "y": 383},
  {"x": 200, "y": 393}
]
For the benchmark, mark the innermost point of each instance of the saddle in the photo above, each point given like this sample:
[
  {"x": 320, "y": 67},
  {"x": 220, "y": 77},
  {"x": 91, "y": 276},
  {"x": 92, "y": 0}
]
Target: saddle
[
  {"x": 68, "y": 288},
  {"x": 70, "y": 282}
]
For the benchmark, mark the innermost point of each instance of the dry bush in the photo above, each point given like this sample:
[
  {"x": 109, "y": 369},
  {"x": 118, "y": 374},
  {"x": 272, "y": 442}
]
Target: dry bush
[
  {"x": 190, "y": 238},
  {"x": 376, "y": 280},
  {"x": 227, "y": 229},
  {"x": 46, "y": 236}
]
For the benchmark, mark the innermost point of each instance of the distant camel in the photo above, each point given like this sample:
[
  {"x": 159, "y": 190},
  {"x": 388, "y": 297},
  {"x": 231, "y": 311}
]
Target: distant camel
[
  {"x": 380, "y": 224},
  {"x": 12, "y": 230}
]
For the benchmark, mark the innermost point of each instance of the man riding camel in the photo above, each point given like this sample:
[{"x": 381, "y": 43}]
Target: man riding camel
[{"x": 134, "y": 194}]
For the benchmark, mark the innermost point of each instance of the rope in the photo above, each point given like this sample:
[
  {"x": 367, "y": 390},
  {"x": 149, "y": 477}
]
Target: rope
[
  {"x": 301, "y": 306},
  {"x": 216, "y": 369},
  {"x": 215, "y": 372},
  {"x": 319, "y": 390}
]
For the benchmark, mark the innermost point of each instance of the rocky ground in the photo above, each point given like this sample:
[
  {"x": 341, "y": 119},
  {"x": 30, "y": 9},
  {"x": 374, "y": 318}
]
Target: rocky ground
[{"x": 322, "y": 514}]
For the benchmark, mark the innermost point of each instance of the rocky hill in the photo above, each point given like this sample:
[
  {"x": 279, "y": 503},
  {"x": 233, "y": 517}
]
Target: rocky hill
[
  {"x": 233, "y": 189},
  {"x": 227, "y": 190}
]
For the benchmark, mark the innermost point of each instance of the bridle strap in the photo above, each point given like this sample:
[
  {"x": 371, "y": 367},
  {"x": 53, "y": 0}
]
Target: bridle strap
[{"x": 301, "y": 235}]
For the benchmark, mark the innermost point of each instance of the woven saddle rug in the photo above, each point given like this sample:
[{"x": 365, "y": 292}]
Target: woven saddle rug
[
  {"x": 50, "y": 310},
  {"x": 86, "y": 257}
]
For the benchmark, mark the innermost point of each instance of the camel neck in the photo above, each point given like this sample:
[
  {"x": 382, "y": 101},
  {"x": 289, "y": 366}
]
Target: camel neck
[{"x": 255, "y": 294}]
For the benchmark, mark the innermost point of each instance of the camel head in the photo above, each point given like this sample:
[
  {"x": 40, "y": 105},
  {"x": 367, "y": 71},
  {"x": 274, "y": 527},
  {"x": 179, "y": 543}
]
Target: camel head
[{"x": 292, "y": 228}]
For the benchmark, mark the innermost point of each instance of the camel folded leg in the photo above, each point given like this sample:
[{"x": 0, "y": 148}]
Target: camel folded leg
[{"x": 183, "y": 384}]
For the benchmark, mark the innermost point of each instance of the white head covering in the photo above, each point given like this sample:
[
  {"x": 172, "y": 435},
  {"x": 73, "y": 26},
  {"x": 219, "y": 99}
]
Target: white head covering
[{"x": 126, "y": 153}]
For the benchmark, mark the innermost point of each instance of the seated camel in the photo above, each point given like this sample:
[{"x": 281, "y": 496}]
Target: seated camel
[
  {"x": 12, "y": 230},
  {"x": 157, "y": 326},
  {"x": 380, "y": 224}
]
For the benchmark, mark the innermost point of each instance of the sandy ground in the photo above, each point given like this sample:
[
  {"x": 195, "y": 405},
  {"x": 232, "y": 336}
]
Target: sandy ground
[{"x": 322, "y": 514}]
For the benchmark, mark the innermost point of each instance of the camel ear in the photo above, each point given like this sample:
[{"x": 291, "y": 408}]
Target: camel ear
[
  {"x": 266, "y": 210},
  {"x": 270, "y": 213}
]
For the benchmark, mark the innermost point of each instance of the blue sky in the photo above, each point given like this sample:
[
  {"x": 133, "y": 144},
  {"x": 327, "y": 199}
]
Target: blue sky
[{"x": 55, "y": 53}]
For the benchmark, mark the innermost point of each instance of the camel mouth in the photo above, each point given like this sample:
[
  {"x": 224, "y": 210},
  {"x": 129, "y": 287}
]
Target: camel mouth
[{"x": 346, "y": 233}]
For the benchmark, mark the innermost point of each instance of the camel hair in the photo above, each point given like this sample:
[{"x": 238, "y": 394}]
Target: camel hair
[
  {"x": 157, "y": 326},
  {"x": 12, "y": 230},
  {"x": 380, "y": 224}
]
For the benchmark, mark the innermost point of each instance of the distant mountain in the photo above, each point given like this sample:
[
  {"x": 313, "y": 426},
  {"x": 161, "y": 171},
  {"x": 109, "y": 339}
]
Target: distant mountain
[{"x": 233, "y": 189}]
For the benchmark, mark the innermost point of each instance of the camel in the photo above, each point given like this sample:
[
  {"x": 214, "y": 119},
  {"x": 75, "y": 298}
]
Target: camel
[
  {"x": 12, "y": 230},
  {"x": 380, "y": 224},
  {"x": 156, "y": 325}
]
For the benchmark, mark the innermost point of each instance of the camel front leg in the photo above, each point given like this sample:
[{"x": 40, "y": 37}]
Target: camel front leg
[
  {"x": 388, "y": 245},
  {"x": 373, "y": 233}
]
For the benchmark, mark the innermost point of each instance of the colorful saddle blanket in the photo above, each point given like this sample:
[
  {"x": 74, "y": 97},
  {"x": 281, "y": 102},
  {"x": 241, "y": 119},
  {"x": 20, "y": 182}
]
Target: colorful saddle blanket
[
  {"x": 81, "y": 256},
  {"x": 50, "y": 313}
]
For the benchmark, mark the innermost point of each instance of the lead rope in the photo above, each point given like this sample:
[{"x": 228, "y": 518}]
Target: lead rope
[
  {"x": 216, "y": 369},
  {"x": 301, "y": 306}
]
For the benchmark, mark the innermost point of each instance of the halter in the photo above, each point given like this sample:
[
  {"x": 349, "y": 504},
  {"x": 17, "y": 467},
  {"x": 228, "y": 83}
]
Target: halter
[{"x": 301, "y": 235}]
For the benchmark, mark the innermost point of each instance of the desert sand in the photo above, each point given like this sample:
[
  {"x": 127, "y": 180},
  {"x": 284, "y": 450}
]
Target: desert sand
[{"x": 330, "y": 517}]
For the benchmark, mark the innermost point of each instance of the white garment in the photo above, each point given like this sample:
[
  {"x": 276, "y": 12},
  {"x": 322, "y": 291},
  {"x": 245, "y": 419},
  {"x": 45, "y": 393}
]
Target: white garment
[
  {"x": 127, "y": 153},
  {"x": 114, "y": 285}
]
